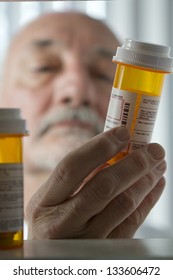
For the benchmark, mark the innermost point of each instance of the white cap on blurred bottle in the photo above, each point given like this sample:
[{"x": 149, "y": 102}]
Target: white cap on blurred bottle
[{"x": 11, "y": 121}]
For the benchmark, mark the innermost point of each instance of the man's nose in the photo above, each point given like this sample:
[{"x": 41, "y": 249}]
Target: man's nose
[{"x": 74, "y": 86}]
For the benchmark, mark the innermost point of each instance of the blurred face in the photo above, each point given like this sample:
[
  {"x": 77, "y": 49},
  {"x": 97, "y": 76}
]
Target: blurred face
[{"x": 60, "y": 73}]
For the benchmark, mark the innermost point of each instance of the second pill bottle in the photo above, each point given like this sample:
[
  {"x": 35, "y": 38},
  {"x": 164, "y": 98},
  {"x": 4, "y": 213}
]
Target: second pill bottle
[
  {"x": 137, "y": 87},
  {"x": 12, "y": 130}
]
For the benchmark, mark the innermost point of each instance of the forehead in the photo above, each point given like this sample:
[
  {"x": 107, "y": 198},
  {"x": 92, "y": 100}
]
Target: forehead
[{"x": 73, "y": 30}]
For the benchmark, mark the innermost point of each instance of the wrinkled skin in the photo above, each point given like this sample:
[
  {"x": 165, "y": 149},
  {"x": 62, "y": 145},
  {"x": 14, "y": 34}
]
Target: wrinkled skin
[
  {"x": 58, "y": 64},
  {"x": 112, "y": 203}
]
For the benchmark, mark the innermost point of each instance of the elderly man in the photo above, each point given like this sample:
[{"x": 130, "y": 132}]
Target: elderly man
[{"x": 59, "y": 72}]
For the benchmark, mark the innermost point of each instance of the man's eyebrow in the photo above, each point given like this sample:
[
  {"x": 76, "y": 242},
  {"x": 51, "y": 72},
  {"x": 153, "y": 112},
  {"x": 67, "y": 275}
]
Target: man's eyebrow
[
  {"x": 97, "y": 50},
  {"x": 43, "y": 43},
  {"x": 104, "y": 52}
]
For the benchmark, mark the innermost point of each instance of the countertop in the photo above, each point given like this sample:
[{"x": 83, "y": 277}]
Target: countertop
[{"x": 92, "y": 249}]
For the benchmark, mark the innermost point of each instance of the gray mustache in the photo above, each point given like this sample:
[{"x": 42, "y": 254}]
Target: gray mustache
[{"x": 86, "y": 115}]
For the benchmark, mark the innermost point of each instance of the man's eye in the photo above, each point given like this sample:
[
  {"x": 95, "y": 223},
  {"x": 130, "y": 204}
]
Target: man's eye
[
  {"x": 45, "y": 69},
  {"x": 102, "y": 76}
]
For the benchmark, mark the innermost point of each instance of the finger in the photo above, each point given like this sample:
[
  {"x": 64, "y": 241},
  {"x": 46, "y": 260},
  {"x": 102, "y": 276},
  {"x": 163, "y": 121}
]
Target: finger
[
  {"x": 127, "y": 202},
  {"x": 113, "y": 180},
  {"x": 129, "y": 226},
  {"x": 75, "y": 167}
]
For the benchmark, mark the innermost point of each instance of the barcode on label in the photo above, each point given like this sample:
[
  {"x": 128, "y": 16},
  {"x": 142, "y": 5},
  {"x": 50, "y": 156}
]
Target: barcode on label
[{"x": 125, "y": 114}]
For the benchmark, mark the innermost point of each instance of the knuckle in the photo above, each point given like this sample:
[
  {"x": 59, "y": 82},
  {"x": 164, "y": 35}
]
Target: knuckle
[
  {"x": 32, "y": 209},
  {"x": 60, "y": 173},
  {"x": 137, "y": 218},
  {"x": 41, "y": 220},
  {"x": 64, "y": 171},
  {"x": 103, "y": 187},
  {"x": 140, "y": 161},
  {"x": 127, "y": 201},
  {"x": 104, "y": 144},
  {"x": 111, "y": 178},
  {"x": 52, "y": 228},
  {"x": 151, "y": 199},
  {"x": 149, "y": 179},
  {"x": 74, "y": 210},
  {"x": 99, "y": 194},
  {"x": 47, "y": 226}
]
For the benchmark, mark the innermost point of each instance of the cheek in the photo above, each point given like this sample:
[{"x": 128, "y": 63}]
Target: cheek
[
  {"x": 104, "y": 101},
  {"x": 104, "y": 106}
]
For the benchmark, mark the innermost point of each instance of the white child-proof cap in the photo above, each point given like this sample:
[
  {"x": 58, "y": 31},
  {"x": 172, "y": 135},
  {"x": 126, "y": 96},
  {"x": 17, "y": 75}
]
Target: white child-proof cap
[
  {"x": 146, "y": 55},
  {"x": 11, "y": 121}
]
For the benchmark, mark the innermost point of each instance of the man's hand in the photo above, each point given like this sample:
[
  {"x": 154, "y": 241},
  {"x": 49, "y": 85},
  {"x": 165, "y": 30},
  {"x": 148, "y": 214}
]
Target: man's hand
[{"x": 112, "y": 203}]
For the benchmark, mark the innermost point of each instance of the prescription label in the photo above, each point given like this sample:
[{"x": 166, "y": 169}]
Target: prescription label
[
  {"x": 11, "y": 197},
  {"x": 121, "y": 109},
  {"x": 145, "y": 120},
  {"x": 135, "y": 111}
]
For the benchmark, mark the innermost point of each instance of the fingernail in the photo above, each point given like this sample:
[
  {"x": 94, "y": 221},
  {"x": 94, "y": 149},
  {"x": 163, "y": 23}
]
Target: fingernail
[
  {"x": 122, "y": 133},
  {"x": 156, "y": 151}
]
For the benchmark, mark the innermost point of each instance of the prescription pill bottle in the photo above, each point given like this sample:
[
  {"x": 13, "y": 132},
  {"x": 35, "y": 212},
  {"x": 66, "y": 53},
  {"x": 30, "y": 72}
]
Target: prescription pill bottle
[
  {"x": 12, "y": 129},
  {"x": 137, "y": 87}
]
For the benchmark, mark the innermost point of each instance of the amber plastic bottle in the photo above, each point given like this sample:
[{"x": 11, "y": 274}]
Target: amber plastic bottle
[
  {"x": 137, "y": 87},
  {"x": 12, "y": 129}
]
